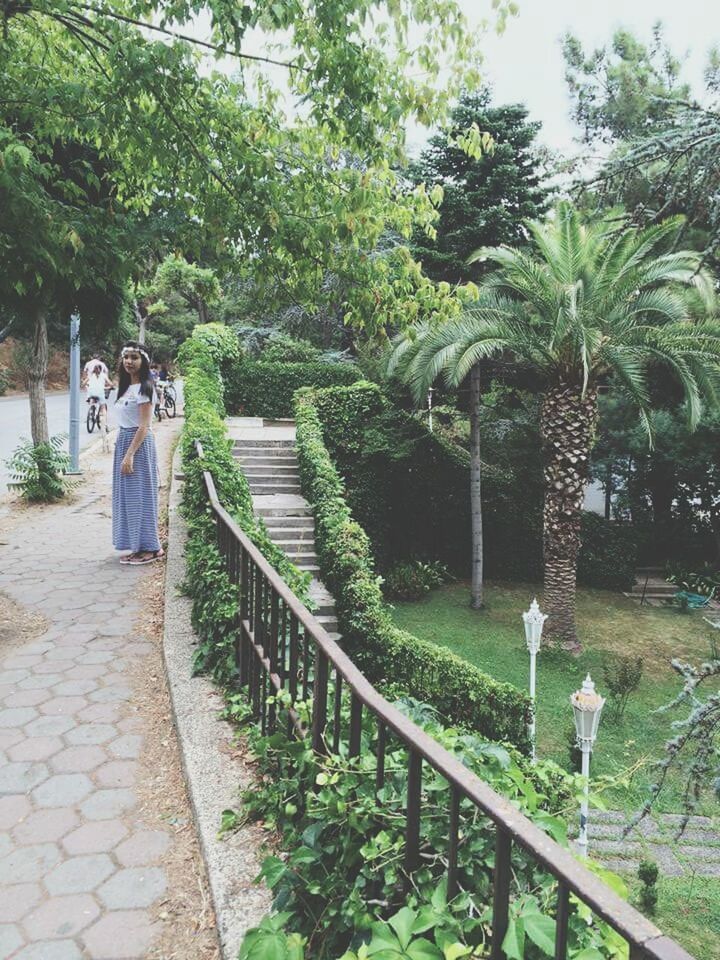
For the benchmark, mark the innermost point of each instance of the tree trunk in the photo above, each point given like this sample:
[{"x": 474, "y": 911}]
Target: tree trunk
[
  {"x": 202, "y": 309},
  {"x": 608, "y": 490},
  {"x": 141, "y": 321},
  {"x": 476, "y": 599},
  {"x": 568, "y": 426},
  {"x": 37, "y": 373}
]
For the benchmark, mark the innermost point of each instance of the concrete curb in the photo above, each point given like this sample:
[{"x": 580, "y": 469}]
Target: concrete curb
[{"x": 214, "y": 771}]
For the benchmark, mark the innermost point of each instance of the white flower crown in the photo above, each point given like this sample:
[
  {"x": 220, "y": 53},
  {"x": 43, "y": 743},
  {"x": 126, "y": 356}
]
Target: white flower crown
[{"x": 126, "y": 350}]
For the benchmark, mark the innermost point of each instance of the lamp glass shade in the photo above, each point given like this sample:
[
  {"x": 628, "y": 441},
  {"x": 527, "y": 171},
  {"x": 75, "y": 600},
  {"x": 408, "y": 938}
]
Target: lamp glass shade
[
  {"x": 587, "y": 706},
  {"x": 534, "y": 621}
]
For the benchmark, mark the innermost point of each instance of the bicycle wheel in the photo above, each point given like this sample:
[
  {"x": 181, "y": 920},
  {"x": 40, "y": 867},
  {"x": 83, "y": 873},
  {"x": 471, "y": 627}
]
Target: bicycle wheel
[
  {"x": 170, "y": 406},
  {"x": 171, "y": 392},
  {"x": 91, "y": 418},
  {"x": 158, "y": 411}
]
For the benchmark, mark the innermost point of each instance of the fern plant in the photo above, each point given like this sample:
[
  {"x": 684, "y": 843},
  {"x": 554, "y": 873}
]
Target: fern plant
[{"x": 38, "y": 472}]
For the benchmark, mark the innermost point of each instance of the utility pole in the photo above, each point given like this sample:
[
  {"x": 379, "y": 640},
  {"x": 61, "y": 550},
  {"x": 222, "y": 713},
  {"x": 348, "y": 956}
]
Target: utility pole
[{"x": 74, "y": 393}]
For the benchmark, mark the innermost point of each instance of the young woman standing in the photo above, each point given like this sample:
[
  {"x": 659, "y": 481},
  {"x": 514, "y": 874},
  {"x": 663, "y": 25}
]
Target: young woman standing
[{"x": 135, "y": 487}]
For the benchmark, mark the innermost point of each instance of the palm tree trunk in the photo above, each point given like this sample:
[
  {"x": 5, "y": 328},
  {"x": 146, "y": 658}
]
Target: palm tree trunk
[
  {"x": 476, "y": 599},
  {"x": 37, "y": 373},
  {"x": 568, "y": 422}
]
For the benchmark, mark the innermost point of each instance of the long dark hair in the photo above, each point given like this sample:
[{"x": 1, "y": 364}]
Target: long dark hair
[{"x": 146, "y": 383}]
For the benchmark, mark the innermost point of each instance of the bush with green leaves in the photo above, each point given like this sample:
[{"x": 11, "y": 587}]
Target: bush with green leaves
[
  {"x": 262, "y": 389},
  {"x": 705, "y": 580},
  {"x": 38, "y": 471},
  {"x": 622, "y": 676},
  {"x": 414, "y": 578},
  {"x": 460, "y": 692},
  {"x": 280, "y": 348},
  {"x": 4, "y": 381},
  {"x": 648, "y": 874},
  {"x": 222, "y": 342},
  {"x": 215, "y": 603},
  {"x": 342, "y": 889}
]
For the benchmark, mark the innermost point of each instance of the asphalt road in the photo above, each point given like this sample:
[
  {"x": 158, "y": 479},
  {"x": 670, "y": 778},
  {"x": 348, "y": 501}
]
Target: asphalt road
[{"x": 15, "y": 423}]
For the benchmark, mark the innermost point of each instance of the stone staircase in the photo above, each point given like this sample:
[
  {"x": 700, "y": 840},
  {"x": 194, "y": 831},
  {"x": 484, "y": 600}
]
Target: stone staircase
[
  {"x": 265, "y": 451},
  {"x": 651, "y": 586}
]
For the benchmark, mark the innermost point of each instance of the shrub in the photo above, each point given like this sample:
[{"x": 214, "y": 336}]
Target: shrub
[
  {"x": 220, "y": 340},
  {"x": 461, "y": 693},
  {"x": 38, "y": 471},
  {"x": 622, "y": 677},
  {"x": 413, "y": 579},
  {"x": 648, "y": 875},
  {"x": 608, "y": 554},
  {"x": 280, "y": 348},
  {"x": 4, "y": 382},
  {"x": 259, "y": 389}
]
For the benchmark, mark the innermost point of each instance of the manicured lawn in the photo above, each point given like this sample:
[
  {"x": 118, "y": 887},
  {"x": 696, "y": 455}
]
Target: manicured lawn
[
  {"x": 689, "y": 911},
  {"x": 493, "y": 639}
]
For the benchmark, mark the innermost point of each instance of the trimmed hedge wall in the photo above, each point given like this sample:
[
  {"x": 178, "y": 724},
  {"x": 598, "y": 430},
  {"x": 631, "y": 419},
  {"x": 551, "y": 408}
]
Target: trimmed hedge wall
[
  {"x": 386, "y": 655},
  {"x": 257, "y": 389},
  {"x": 215, "y": 606}
]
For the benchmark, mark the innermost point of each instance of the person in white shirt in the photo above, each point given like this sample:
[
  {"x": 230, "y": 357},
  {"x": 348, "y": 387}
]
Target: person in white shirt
[
  {"x": 97, "y": 383},
  {"x": 135, "y": 471},
  {"x": 90, "y": 366}
]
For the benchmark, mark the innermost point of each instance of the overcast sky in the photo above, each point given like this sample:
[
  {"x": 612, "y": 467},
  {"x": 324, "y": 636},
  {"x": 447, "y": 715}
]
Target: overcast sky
[{"x": 525, "y": 64}]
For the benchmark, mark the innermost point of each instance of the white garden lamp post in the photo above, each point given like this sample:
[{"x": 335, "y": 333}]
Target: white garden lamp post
[
  {"x": 534, "y": 621},
  {"x": 429, "y": 403},
  {"x": 587, "y": 706}
]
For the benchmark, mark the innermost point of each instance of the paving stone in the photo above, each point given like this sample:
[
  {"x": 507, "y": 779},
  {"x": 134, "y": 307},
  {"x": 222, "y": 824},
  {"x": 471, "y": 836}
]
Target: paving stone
[
  {"x": 61, "y": 917},
  {"x": 609, "y": 816},
  {"x": 17, "y": 716},
  {"x": 26, "y": 698},
  {"x": 98, "y": 656},
  {"x": 45, "y": 826},
  {"x": 85, "y": 672},
  {"x": 49, "y": 726},
  {"x": 89, "y": 733},
  {"x": 12, "y": 810},
  {"x": 8, "y": 738},
  {"x": 117, "y": 773},
  {"x": 80, "y": 874},
  {"x": 78, "y": 759},
  {"x": 18, "y": 899},
  {"x": 617, "y": 847},
  {"x": 130, "y": 725},
  {"x": 621, "y": 866},
  {"x": 35, "y": 748},
  {"x": 50, "y": 950},
  {"x": 108, "y": 804},
  {"x": 703, "y": 869},
  {"x": 65, "y": 653},
  {"x": 97, "y": 837},
  {"x": 120, "y": 934},
  {"x": 21, "y": 660},
  {"x": 610, "y": 831},
  {"x": 62, "y": 706},
  {"x": 12, "y": 677},
  {"x": 22, "y": 777},
  {"x": 100, "y": 713},
  {"x": 697, "y": 823},
  {"x": 62, "y": 790},
  {"x": 40, "y": 683},
  {"x": 696, "y": 836},
  {"x": 28, "y": 864},
  {"x": 54, "y": 668},
  {"x": 114, "y": 694},
  {"x": 699, "y": 853},
  {"x": 10, "y": 939},
  {"x": 147, "y": 846},
  {"x": 133, "y": 888},
  {"x": 75, "y": 688},
  {"x": 666, "y": 861},
  {"x": 127, "y": 747}
]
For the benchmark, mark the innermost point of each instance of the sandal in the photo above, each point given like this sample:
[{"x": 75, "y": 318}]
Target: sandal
[
  {"x": 147, "y": 557},
  {"x": 128, "y": 558}
]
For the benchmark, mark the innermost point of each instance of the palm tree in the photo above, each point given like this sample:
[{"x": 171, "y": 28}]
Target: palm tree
[{"x": 586, "y": 305}]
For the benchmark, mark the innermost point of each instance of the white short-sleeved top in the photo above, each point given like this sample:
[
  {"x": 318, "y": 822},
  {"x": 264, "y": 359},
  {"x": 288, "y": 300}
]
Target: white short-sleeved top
[{"x": 127, "y": 406}]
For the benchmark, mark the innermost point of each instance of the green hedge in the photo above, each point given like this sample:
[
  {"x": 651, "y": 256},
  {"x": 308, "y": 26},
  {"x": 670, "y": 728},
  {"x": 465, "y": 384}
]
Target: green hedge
[
  {"x": 257, "y": 389},
  {"x": 215, "y": 607},
  {"x": 385, "y": 654}
]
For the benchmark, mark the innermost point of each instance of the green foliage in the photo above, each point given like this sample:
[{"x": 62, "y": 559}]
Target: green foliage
[
  {"x": 385, "y": 654},
  {"x": 221, "y": 342},
  {"x": 215, "y": 601},
  {"x": 608, "y": 553},
  {"x": 197, "y": 286},
  {"x": 4, "y": 382},
  {"x": 622, "y": 676},
  {"x": 260, "y": 389},
  {"x": 342, "y": 884},
  {"x": 705, "y": 581},
  {"x": 37, "y": 471},
  {"x": 485, "y": 199},
  {"x": 648, "y": 874},
  {"x": 280, "y": 348},
  {"x": 413, "y": 579}
]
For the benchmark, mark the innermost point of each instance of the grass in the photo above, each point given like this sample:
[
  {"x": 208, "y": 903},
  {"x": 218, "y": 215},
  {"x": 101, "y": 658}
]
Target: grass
[
  {"x": 609, "y": 624},
  {"x": 688, "y": 910}
]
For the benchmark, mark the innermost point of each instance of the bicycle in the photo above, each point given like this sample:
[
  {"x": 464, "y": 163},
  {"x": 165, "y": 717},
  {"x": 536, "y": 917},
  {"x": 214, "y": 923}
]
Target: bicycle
[
  {"x": 93, "y": 415},
  {"x": 170, "y": 391},
  {"x": 165, "y": 404}
]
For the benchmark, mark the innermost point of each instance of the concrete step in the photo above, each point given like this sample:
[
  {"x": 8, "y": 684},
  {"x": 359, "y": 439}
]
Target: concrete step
[
  {"x": 276, "y": 511},
  {"x": 328, "y": 621},
  {"x": 299, "y": 528},
  {"x": 312, "y": 568},
  {"x": 264, "y": 444},
  {"x": 296, "y": 546},
  {"x": 270, "y": 474},
  {"x": 304, "y": 560},
  {"x": 273, "y": 469},
  {"x": 275, "y": 454},
  {"x": 265, "y": 460},
  {"x": 268, "y": 489},
  {"x": 655, "y": 587}
]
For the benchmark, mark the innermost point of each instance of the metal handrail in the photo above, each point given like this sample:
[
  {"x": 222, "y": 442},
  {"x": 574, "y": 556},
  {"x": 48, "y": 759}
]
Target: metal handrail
[{"x": 253, "y": 574}]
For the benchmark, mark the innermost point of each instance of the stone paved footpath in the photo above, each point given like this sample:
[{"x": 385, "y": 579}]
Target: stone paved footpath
[{"x": 81, "y": 870}]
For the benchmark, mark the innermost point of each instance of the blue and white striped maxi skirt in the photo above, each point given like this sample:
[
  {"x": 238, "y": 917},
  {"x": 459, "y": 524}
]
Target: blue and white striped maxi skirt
[{"x": 135, "y": 496}]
